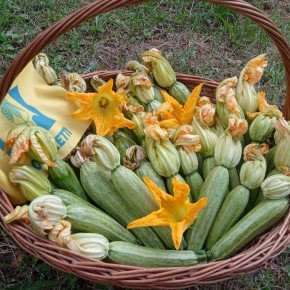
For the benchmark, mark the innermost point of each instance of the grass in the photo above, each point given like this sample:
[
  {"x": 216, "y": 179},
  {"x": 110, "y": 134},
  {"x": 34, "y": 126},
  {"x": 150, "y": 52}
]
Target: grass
[{"x": 196, "y": 37}]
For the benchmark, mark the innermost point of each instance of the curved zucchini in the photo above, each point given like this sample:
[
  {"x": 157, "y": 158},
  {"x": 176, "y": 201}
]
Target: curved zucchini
[
  {"x": 254, "y": 223},
  {"x": 129, "y": 254}
]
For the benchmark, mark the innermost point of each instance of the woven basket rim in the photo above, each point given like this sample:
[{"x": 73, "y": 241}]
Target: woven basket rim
[
  {"x": 250, "y": 260},
  {"x": 254, "y": 257}
]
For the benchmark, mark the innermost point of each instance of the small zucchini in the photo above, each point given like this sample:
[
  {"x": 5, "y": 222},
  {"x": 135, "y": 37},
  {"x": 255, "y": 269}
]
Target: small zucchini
[
  {"x": 258, "y": 220},
  {"x": 215, "y": 188},
  {"x": 130, "y": 254},
  {"x": 89, "y": 220}
]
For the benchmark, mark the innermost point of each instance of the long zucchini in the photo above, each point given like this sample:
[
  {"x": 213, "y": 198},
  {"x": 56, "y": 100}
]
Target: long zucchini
[
  {"x": 130, "y": 254},
  {"x": 89, "y": 220},
  {"x": 215, "y": 188},
  {"x": 254, "y": 223}
]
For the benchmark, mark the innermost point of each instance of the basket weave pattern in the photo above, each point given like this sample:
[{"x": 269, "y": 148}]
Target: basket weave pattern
[{"x": 254, "y": 257}]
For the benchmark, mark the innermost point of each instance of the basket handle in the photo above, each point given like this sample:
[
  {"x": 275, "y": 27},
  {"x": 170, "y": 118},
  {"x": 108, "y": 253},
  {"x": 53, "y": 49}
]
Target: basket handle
[{"x": 98, "y": 7}]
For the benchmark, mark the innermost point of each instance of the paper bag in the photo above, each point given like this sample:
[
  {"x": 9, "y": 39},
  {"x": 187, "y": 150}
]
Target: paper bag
[{"x": 31, "y": 101}]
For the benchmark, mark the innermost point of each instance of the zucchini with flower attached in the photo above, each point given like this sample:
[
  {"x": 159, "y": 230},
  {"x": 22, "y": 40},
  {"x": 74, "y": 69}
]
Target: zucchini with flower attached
[{"x": 41, "y": 146}]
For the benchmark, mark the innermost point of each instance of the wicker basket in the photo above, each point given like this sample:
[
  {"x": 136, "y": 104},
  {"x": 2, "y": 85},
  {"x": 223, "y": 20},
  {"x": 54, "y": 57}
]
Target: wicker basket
[{"x": 255, "y": 257}]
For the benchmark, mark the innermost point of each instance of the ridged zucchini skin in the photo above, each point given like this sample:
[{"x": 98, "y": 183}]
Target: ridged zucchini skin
[
  {"x": 195, "y": 182},
  {"x": 99, "y": 186},
  {"x": 254, "y": 223},
  {"x": 208, "y": 164},
  {"x": 138, "y": 199},
  {"x": 229, "y": 213},
  {"x": 147, "y": 169},
  {"x": 215, "y": 188},
  {"x": 69, "y": 198},
  {"x": 134, "y": 255},
  {"x": 234, "y": 178},
  {"x": 64, "y": 177},
  {"x": 89, "y": 220}
]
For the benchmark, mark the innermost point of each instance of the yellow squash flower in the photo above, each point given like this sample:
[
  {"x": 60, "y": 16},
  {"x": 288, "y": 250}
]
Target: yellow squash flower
[
  {"x": 103, "y": 108},
  {"x": 172, "y": 114},
  {"x": 175, "y": 211}
]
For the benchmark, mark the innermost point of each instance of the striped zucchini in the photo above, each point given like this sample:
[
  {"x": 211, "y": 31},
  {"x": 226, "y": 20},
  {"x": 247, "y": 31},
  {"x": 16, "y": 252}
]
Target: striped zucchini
[
  {"x": 69, "y": 198},
  {"x": 195, "y": 182},
  {"x": 147, "y": 169},
  {"x": 215, "y": 188},
  {"x": 64, "y": 177},
  {"x": 130, "y": 254},
  {"x": 98, "y": 184},
  {"x": 89, "y": 220},
  {"x": 234, "y": 178},
  {"x": 254, "y": 223},
  {"x": 139, "y": 201},
  {"x": 229, "y": 213},
  {"x": 208, "y": 164}
]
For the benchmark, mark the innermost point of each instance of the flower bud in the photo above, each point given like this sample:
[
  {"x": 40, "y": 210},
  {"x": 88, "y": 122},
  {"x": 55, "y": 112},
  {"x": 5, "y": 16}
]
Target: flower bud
[
  {"x": 102, "y": 151},
  {"x": 208, "y": 139},
  {"x": 183, "y": 136},
  {"x": 188, "y": 161},
  {"x": 122, "y": 82},
  {"x": 153, "y": 106},
  {"x": 32, "y": 182},
  {"x": 276, "y": 186},
  {"x": 60, "y": 231},
  {"x": 138, "y": 120},
  {"x": 179, "y": 92},
  {"x": 163, "y": 156},
  {"x": 122, "y": 142},
  {"x": 282, "y": 156},
  {"x": 73, "y": 82},
  {"x": 261, "y": 128},
  {"x": 162, "y": 71},
  {"x": 253, "y": 171},
  {"x": 228, "y": 151},
  {"x": 134, "y": 156},
  {"x": 41, "y": 65},
  {"x": 96, "y": 82},
  {"x": 94, "y": 246},
  {"x": 157, "y": 94},
  {"x": 246, "y": 94},
  {"x": 44, "y": 212},
  {"x": 137, "y": 67},
  {"x": 226, "y": 101},
  {"x": 141, "y": 87}
]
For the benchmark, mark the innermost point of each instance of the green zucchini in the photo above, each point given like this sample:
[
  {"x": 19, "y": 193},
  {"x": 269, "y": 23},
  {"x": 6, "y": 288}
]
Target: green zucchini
[
  {"x": 64, "y": 177},
  {"x": 208, "y": 164},
  {"x": 147, "y": 169},
  {"x": 258, "y": 220},
  {"x": 130, "y": 254},
  {"x": 195, "y": 182},
  {"x": 89, "y": 220},
  {"x": 234, "y": 178},
  {"x": 215, "y": 188},
  {"x": 98, "y": 184},
  {"x": 139, "y": 201},
  {"x": 229, "y": 213}
]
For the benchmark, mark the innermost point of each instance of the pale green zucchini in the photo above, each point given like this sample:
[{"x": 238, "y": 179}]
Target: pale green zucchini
[
  {"x": 147, "y": 169},
  {"x": 208, "y": 164},
  {"x": 139, "y": 201},
  {"x": 229, "y": 213},
  {"x": 258, "y": 220},
  {"x": 89, "y": 220},
  {"x": 215, "y": 188},
  {"x": 99, "y": 186},
  {"x": 195, "y": 182},
  {"x": 134, "y": 255},
  {"x": 234, "y": 178},
  {"x": 64, "y": 177}
]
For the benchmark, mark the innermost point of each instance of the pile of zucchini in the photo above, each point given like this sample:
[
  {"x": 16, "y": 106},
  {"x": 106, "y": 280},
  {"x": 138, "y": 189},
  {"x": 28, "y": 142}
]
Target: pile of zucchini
[{"x": 234, "y": 152}]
